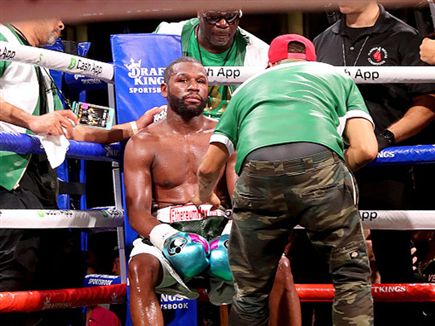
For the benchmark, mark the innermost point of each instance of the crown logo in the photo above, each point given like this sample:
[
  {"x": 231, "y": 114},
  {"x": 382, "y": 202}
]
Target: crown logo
[{"x": 133, "y": 65}]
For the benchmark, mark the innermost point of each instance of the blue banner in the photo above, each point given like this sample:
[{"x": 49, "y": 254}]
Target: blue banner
[
  {"x": 77, "y": 83},
  {"x": 139, "y": 62},
  {"x": 178, "y": 311}
]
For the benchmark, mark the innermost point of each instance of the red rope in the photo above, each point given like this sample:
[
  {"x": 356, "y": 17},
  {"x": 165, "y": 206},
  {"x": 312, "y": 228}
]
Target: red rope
[
  {"x": 421, "y": 292},
  {"x": 26, "y": 301}
]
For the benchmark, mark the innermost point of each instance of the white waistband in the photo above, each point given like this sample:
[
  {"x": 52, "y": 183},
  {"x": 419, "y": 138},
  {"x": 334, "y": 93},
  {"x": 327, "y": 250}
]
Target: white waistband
[{"x": 188, "y": 212}]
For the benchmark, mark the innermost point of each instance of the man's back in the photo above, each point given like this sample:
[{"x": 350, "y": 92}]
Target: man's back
[{"x": 309, "y": 104}]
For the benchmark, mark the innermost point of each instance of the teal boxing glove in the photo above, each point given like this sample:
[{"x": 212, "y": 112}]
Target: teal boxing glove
[
  {"x": 187, "y": 252},
  {"x": 219, "y": 264}
]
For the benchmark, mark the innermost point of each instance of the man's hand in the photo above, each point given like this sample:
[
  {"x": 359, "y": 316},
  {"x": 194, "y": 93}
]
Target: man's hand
[
  {"x": 54, "y": 123},
  {"x": 148, "y": 118},
  {"x": 427, "y": 51},
  {"x": 213, "y": 200}
]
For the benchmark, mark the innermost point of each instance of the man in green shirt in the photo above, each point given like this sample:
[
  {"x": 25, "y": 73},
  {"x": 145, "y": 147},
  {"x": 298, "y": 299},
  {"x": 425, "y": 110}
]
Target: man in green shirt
[
  {"x": 29, "y": 103},
  {"x": 214, "y": 38},
  {"x": 288, "y": 125}
]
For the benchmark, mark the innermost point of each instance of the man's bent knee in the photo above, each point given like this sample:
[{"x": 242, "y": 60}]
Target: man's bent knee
[{"x": 144, "y": 270}]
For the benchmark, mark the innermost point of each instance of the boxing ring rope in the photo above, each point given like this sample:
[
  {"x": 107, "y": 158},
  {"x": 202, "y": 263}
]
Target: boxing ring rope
[
  {"x": 55, "y": 219},
  {"x": 24, "y": 143},
  {"x": 27, "y": 144},
  {"x": 360, "y": 74},
  {"x": 421, "y": 292},
  {"x": 60, "y": 61},
  {"x": 25, "y": 301},
  {"x": 217, "y": 75}
]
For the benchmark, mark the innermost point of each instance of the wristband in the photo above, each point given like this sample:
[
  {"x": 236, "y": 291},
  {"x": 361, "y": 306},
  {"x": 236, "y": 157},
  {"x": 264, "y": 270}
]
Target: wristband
[
  {"x": 134, "y": 128},
  {"x": 160, "y": 233},
  {"x": 385, "y": 139}
]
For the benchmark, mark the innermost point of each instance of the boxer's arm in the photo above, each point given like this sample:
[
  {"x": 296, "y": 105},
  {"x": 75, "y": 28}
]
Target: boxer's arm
[
  {"x": 363, "y": 146},
  {"x": 138, "y": 158}
]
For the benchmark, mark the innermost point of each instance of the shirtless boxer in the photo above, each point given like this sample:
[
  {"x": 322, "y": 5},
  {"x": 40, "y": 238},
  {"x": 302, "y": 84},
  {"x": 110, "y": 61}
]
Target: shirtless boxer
[{"x": 160, "y": 178}]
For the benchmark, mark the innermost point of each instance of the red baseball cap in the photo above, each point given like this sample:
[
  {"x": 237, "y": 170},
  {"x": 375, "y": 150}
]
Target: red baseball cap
[{"x": 278, "y": 49}]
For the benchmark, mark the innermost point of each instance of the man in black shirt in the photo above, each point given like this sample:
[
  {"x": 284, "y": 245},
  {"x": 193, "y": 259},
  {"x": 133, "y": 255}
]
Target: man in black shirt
[{"x": 367, "y": 35}]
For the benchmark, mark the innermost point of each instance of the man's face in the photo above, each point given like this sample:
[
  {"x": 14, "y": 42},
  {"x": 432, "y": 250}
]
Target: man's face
[
  {"x": 218, "y": 28},
  {"x": 49, "y": 30},
  {"x": 353, "y": 7},
  {"x": 187, "y": 89}
]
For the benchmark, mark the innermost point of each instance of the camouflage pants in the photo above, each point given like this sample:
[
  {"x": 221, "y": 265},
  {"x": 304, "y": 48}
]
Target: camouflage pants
[{"x": 318, "y": 193}]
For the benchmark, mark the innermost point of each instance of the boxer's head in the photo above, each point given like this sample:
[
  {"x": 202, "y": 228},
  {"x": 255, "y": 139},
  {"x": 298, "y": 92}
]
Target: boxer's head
[
  {"x": 186, "y": 87},
  {"x": 217, "y": 29}
]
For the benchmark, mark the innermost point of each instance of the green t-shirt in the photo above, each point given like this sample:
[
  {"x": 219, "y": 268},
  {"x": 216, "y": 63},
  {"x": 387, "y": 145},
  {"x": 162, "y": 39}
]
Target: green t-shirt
[
  {"x": 219, "y": 95},
  {"x": 246, "y": 50},
  {"x": 292, "y": 102}
]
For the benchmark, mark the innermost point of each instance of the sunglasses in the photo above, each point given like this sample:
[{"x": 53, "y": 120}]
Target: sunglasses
[{"x": 213, "y": 18}]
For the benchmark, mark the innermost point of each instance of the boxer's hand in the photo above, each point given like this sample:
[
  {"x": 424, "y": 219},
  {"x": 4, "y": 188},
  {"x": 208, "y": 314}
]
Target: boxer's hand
[
  {"x": 219, "y": 264},
  {"x": 187, "y": 252}
]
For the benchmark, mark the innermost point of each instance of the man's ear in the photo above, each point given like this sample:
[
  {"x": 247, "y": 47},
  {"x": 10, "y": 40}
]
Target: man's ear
[{"x": 164, "y": 90}]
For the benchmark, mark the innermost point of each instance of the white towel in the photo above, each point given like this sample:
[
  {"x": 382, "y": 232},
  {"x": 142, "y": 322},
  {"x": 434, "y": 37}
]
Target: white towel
[{"x": 55, "y": 147}]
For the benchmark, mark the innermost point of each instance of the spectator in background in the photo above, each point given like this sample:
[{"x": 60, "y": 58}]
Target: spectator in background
[
  {"x": 367, "y": 35},
  {"x": 214, "y": 38}
]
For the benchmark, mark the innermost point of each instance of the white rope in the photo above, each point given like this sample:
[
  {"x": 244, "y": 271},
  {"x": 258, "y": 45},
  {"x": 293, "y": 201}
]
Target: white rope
[
  {"x": 398, "y": 220},
  {"x": 58, "y": 219},
  {"x": 217, "y": 75},
  {"x": 112, "y": 217},
  {"x": 362, "y": 74},
  {"x": 56, "y": 60}
]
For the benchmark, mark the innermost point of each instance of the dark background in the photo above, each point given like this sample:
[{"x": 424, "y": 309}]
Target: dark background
[{"x": 265, "y": 26}]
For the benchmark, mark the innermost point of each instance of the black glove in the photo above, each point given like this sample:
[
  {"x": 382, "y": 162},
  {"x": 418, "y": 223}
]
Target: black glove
[{"x": 385, "y": 139}]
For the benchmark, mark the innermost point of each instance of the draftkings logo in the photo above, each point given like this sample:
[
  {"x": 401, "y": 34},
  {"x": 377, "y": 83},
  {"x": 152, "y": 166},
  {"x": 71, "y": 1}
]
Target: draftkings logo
[
  {"x": 145, "y": 79},
  {"x": 377, "y": 56}
]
